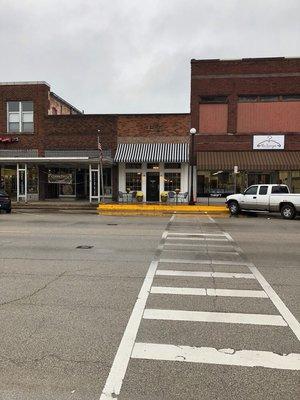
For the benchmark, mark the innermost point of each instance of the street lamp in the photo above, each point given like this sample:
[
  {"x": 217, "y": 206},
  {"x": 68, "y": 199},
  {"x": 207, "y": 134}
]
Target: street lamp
[{"x": 192, "y": 159}]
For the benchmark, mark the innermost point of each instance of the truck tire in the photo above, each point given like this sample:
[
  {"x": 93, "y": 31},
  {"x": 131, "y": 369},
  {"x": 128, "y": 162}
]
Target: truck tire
[
  {"x": 288, "y": 211},
  {"x": 234, "y": 207}
]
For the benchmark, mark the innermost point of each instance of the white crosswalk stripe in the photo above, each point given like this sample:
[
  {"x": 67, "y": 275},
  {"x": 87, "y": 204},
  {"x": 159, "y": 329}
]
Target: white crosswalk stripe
[
  {"x": 255, "y": 288},
  {"x": 208, "y": 292}
]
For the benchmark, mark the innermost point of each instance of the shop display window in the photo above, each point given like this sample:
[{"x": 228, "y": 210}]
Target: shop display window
[
  {"x": 172, "y": 181},
  {"x": 32, "y": 179},
  {"x": 134, "y": 181},
  {"x": 133, "y": 165},
  {"x": 172, "y": 165}
]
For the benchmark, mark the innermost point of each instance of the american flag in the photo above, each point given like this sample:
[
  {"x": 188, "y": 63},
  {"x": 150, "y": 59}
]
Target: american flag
[{"x": 100, "y": 148}]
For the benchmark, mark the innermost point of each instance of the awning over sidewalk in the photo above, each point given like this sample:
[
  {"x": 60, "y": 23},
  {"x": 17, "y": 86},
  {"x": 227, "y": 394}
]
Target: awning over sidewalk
[
  {"x": 152, "y": 152},
  {"x": 249, "y": 160}
]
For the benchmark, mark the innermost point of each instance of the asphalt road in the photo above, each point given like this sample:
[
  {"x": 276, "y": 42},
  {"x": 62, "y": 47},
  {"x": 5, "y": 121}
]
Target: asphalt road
[{"x": 64, "y": 310}]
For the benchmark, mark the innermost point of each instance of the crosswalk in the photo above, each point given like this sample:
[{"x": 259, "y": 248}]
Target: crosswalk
[{"x": 191, "y": 252}]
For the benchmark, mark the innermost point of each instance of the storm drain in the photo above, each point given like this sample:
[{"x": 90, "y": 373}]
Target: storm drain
[
  {"x": 112, "y": 224},
  {"x": 85, "y": 247}
]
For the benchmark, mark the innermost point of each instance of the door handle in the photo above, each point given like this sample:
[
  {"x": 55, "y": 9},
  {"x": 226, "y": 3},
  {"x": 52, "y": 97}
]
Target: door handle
[{"x": 254, "y": 197}]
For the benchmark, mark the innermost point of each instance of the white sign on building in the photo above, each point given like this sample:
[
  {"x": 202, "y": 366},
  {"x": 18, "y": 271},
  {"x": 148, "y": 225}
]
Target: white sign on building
[{"x": 268, "y": 142}]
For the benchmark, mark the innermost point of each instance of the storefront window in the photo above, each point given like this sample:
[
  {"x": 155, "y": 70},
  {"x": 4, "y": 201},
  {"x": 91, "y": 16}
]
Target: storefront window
[
  {"x": 172, "y": 165},
  {"x": 32, "y": 179},
  {"x": 220, "y": 183},
  {"x": 134, "y": 180},
  {"x": 152, "y": 166},
  {"x": 295, "y": 181},
  {"x": 107, "y": 181},
  {"x": 172, "y": 181},
  {"x": 133, "y": 165},
  {"x": 9, "y": 180}
]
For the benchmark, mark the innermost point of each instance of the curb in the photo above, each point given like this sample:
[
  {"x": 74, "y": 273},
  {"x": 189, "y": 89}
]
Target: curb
[{"x": 130, "y": 209}]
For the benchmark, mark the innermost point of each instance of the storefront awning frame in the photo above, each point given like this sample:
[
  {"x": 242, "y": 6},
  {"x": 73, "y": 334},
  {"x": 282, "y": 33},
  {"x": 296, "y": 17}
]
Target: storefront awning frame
[
  {"x": 152, "y": 152},
  {"x": 249, "y": 160},
  {"x": 54, "y": 160}
]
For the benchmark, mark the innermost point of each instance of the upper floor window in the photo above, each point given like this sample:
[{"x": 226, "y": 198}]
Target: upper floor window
[
  {"x": 213, "y": 99},
  {"x": 20, "y": 116}
]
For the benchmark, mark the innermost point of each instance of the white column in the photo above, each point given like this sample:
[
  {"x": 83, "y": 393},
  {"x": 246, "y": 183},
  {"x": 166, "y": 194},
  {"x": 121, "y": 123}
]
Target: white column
[
  {"x": 184, "y": 177},
  {"x": 94, "y": 181},
  {"x": 144, "y": 180},
  {"x": 21, "y": 182},
  {"x": 122, "y": 178},
  {"x": 161, "y": 178}
]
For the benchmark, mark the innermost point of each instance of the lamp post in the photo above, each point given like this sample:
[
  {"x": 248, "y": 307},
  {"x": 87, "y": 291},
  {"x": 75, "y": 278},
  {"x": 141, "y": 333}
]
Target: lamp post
[{"x": 192, "y": 158}]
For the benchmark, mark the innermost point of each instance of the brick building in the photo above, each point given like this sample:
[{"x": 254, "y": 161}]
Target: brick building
[
  {"x": 247, "y": 113},
  {"x": 49, "y": 149}
]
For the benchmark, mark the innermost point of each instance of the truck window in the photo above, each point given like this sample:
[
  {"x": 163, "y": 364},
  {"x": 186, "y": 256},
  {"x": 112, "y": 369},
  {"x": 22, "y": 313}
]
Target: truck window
[
  {"x": 251, "y": 190},
  {"x": 280, "y": 189},
  {"x": 263, "y": 190}
]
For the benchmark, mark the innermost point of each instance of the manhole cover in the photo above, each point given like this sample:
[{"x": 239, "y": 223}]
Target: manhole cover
[{"x": 85, "y": 247}]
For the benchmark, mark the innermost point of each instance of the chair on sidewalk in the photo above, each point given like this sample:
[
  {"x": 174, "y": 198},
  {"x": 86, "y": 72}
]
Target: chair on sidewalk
[
  {"x": 120, "y": 197},
  {"x": 182, "y": 197},
  {"x": 171, "y": 196}
]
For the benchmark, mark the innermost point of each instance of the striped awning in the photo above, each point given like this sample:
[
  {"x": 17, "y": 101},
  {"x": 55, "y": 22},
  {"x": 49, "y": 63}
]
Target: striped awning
[{"x": 152, "y": 152}]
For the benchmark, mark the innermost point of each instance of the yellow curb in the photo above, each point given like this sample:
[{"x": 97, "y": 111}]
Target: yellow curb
[{"x": 158, "y": 208}]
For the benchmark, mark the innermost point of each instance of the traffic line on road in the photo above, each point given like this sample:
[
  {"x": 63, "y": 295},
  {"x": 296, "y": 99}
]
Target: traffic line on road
[
  {"x": 194, "y": 234},
  {"x": 206, "y": 246},
  {"x": 208, "y": 292},
  {"x": 198, "y": 238},
  {"x": 205, "y": 274},
  {"x": 292, "y": 322},
  {"x": 208, "y": 262},
  {"x": 207, "y": 316},
  {"x": 210, "y": 355},
  {"x": 204, "y": 251}
]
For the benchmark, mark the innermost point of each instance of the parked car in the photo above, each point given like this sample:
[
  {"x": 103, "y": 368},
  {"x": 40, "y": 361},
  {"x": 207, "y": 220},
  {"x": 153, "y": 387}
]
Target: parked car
[
  {"x": 272, "y": 198},
  {"x": 5, "y": 202}
]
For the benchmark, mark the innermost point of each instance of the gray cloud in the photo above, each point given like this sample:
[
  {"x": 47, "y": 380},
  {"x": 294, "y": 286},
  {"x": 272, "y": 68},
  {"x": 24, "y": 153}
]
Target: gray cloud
[{"x": 127, "y": 56}]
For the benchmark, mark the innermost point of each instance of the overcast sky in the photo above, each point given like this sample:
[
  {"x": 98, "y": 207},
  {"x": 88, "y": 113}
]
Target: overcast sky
[{"x": 133, "y": 56}]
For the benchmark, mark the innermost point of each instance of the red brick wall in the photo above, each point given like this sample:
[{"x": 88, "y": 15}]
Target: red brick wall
[
  {"x": 79, "y": 132},
  {"x": 279, "y": 116},
  {"x": 213, "y": 118},
  {"x": 153, "y": 127},
  {"x": 39, "y": 95},
  {"x": 241, "y": 77}
]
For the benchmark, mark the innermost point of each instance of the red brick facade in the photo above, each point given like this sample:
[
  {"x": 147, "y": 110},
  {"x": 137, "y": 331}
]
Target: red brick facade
[
  {"x": 230, "y": 79},
  {"x": 38, "y": 93},
  {"x": 153, "y": 128},
  {"x": 79, "y": 131}
]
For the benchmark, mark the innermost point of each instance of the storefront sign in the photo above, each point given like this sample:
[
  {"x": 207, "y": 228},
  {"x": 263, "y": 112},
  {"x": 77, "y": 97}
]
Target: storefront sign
[
  {"x": 268, "y": 142},
  {"x": 65, "y": 179},
  {"x": 8, "y": 139}
]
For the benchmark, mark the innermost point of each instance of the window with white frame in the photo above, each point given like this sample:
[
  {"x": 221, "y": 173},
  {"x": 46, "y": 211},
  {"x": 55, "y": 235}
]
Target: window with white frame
[{"x": 20, "y": 116}]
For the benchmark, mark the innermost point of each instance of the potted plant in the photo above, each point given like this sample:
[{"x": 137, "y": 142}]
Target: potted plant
[
  {"x": 139, "y": 196},
  {"x": 164, "y": 197}
]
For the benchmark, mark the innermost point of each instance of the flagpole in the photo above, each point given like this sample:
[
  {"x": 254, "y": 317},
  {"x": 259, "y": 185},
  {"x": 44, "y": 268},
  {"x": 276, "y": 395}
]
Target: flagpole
[{"x": 101, "y": 166}]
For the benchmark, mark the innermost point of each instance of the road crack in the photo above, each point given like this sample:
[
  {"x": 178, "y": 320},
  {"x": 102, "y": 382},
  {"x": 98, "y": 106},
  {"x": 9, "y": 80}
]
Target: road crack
[{"x": 36, "y": 291}]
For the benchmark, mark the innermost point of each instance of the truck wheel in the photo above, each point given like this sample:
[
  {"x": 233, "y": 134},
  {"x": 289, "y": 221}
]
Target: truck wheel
[
  {"x": 234, "y": 207},
  {"x": 288, "y": 211}
]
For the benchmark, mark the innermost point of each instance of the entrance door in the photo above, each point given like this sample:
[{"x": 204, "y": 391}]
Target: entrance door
[{"x": 152, "y": 186}]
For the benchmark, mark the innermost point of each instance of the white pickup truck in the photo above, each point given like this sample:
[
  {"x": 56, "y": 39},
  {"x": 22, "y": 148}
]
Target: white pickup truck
[{"x": 272, "y": 198}]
